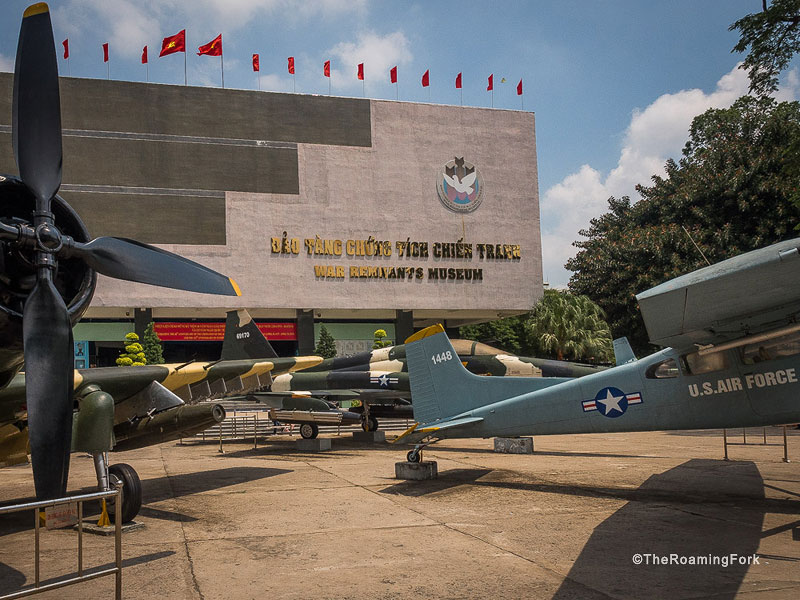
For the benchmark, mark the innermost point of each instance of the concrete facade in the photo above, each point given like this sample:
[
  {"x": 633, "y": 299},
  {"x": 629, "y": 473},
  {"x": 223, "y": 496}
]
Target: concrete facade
[{"x": 227, "y": 172}]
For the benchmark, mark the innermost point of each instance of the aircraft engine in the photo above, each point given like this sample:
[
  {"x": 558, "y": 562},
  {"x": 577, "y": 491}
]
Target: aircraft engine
[{"x": 73, "y": 279}]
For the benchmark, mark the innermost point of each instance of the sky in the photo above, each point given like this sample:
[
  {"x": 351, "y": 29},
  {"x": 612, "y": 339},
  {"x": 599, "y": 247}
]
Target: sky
[{"x": 614, "y": 84}]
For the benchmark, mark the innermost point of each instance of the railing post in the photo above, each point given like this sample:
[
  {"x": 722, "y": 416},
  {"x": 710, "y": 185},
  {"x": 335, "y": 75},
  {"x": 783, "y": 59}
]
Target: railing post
[
  {"x": 785, "y": 447},
  {"x": 80, "y": 538},
  {"x": 725, "y": 442},
  {"x": 118, "y": 540}
]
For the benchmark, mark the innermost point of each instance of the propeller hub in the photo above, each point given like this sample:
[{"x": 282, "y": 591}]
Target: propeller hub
[{"x": 48, "y": 238}]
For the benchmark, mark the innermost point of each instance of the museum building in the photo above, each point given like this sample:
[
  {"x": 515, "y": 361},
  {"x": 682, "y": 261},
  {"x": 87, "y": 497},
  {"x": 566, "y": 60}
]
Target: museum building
[{"x": 354, "y": 213}]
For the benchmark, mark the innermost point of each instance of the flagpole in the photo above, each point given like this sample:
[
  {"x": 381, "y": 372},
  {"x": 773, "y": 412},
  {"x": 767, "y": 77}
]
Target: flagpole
[
  {"x": 363, "y": 88},
  {"x": 69, "y": 69},
  {"x": 185, "y": 78},
  {"x": 147, "y": 72},
  {"x": 492, "y": 96},
  {"x": 294, "y": 84},
  {"x": 258, "y": 76},
  {"x": 397, "y": 89},
  {"x": 108, "y": 69},
  {"x": 461, "y": 93},
  {"x": 222, "y": 70}
]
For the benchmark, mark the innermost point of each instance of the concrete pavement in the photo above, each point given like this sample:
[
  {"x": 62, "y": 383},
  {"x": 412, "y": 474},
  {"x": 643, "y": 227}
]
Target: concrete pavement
[{"x": 565, "y": 522}]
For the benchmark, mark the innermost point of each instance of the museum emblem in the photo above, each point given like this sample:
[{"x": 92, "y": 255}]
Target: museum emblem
[{"x": 460, "y": 186}]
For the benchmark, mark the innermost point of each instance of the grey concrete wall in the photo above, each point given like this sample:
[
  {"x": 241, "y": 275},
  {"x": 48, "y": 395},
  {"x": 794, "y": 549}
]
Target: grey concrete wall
[
  {"x": 219, "y": 173},
  {"x": 387, "y": 191}
]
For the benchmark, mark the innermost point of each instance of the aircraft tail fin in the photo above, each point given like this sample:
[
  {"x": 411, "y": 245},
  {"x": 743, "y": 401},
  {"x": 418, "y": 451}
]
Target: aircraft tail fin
[
  {"x": 623, "y": 353},
  {"x": 243, "y": 339},
  {"x": 441, "y": 388}
]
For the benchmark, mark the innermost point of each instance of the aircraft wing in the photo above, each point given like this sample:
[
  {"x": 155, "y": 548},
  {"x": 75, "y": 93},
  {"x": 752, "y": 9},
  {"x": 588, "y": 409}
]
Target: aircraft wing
[
  {"x": 417, "y": 431},
  {"x": 751, "y": 293}
]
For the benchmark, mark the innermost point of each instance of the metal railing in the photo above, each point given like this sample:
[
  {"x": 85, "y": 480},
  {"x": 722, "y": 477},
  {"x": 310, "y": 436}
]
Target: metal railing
[
  {"x": 252, "y": 424},
  {"x": 744, "y": 441},
  {"x": 37, "y": 507}
]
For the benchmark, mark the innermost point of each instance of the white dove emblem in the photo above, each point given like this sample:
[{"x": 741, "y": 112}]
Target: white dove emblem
[{"x": 463, "y": 186}]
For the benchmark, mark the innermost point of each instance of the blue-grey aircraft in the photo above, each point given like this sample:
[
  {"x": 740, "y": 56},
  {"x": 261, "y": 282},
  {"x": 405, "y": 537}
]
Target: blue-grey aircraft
[{"x": 732, "y": 358}]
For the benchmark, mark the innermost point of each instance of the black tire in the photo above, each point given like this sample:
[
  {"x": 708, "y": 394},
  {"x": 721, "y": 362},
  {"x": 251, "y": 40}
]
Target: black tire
[
  {"x": 309, "y": 431},
  {"x": 413, "y": 456},
  {"x": 370, "y": 424},
  {"x": 131, "y": 491}
]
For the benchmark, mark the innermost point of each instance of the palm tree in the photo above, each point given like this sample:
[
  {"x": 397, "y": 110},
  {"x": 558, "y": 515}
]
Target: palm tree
[{"x": 570, "y": 326}]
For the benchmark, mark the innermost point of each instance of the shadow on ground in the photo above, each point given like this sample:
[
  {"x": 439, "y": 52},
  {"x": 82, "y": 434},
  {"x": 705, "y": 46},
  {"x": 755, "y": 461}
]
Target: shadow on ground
[
  {"x": 156, "y": 490},
  {"x": 701, "y": 509},
  {"x": 12, "y": 581}
]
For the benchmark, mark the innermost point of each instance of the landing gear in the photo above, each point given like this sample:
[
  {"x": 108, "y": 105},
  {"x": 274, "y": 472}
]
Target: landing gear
[
  {"x": 369, "y": 423},
  {"x": 131, "y": 491},
  {"x": 107, "y": 477},
  {"x": 309, "y": 431},
  {"x": 415, "y": 455}
]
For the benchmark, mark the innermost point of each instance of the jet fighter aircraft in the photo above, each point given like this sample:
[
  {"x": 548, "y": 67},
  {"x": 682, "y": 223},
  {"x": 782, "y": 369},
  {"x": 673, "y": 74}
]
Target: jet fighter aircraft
[
  {"x": 379, "y": 378},
  {"x": 48, "y": 267},
  {"x": 733, "y": 361}
]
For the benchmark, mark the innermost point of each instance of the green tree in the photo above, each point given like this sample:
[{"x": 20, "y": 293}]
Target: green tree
[
  {"x": 134, "y": 352},
  {"x": 326, "y": 345},
  {"x": 773, "y": 37},
  {"x": 507, "y": 334},
  {"x": 733, "y": 190},
  {"x": 567, "y": 326},
  {"x": 153, "y": 351},
  {"x": 379, "y": 339}
]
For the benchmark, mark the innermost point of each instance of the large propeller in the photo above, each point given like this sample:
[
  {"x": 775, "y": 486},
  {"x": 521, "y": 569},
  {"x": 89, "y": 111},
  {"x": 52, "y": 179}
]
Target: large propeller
[{"x": 47, "y": 330}]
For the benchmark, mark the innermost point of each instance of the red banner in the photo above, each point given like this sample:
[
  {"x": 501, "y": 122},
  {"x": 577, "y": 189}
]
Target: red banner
[{"x": 174, "y": 331}]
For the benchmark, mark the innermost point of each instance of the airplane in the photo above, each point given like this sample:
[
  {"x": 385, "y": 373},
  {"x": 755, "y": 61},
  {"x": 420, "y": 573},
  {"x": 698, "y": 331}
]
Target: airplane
[
  {"x": 731, "y": 360},
  {"x": 124, "y": 408},
  {"x": 48, "y": 273},
  {"x": 379, "y": 378}
]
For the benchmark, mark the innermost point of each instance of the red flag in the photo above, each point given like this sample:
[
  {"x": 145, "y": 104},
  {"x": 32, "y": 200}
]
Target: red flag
[
  {"x": 291, "y": 65},
  {"x": 173, "y": 43},
  {"x": 426, "y": 78},
  {"x": 490, "y": 87},
  {"x": 393, "y": 74},
  {"x": 255, "y": 62},
  {"x": 105, "y": 52},
  {"x": 144, "y": 55},
  {"x": 326, "y": 68},
  {"x": 458, "y": 81},
  {"x": 519, "y": 88},
  {"x": 212, "y": 48},
  {"x": 361, "y": 71},
  {"x": 66, "y": 48}
]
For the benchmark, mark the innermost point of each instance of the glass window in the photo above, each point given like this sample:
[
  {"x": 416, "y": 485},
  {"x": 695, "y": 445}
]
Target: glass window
[
  {"x": 785, "y": 345},
  {"x": 666, "y": 369},
  {"x": 697, "y": 364}
]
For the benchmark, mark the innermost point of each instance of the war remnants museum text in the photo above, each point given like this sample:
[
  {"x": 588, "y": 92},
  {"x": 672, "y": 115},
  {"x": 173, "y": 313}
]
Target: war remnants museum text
[{"x": 372, "y": 248}]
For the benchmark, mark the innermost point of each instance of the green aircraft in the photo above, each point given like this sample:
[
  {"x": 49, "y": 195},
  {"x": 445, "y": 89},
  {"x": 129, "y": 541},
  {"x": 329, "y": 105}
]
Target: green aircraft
[
  {"x": 731, "y": 360},
  {"x": 379, "y": 378},
  {"x": 48, "y": 273}
]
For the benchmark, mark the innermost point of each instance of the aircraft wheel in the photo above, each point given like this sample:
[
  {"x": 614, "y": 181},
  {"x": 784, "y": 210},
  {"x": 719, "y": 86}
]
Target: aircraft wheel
[
  {"x": 308, "y": 431},
  {"x": 131, "y": 491},
  {"x": 370, "y": 424},
  {"x": 413, "y": 456}
]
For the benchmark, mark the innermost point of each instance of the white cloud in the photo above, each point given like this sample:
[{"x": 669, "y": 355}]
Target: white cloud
[
  {"x": 6, "y": 64},
  {"x": 378, "y": 53},
  {"x": 132, "y": 23},
  {"x": 653, "y": 135}
]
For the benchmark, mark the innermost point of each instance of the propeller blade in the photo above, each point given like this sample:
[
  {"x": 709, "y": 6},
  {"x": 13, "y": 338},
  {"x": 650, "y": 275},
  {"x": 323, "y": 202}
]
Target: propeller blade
[
  {"x": 36, "y": 123},
  {"x": 47, "y": 338},
  {"x": 122, "y": 258}
]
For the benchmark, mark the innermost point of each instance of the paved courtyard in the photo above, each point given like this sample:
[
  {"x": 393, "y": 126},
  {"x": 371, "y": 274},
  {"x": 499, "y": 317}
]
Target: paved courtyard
[{"x": 565, "y": 522}]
